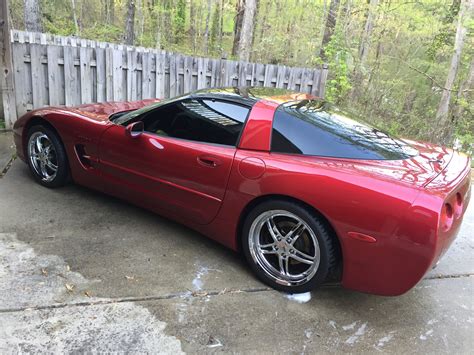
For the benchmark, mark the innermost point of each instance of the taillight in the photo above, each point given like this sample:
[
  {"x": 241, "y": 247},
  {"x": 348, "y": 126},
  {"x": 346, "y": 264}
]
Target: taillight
[{"x": 447, "y": 217}]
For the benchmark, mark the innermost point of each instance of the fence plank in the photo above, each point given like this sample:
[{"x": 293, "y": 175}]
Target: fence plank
[
  {"x": 117, "y": 74},
  {"x": 109, "y": 73},
  {"x": 70, "y": 77},
  {"x": 22, "y": 78},
  {"x": 130, "y": 71},
  {"x": 146, "y": 73},
  {"x": 86, "y": 75},
  {"x": 100, "y": 74},
  {"x": 160, "y": 75},
  {"x": 54, "y": 75},
  {"x": 201, "y": 73},
  {"x": 188, "y": 74},
  {"x": 37, "y": 76}
]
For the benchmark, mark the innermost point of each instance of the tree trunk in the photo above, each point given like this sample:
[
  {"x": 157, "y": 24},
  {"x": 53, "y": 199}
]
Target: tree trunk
[
  {"x": 74, "y": 16},
  {"x": 109, "y": 11},
  {"x": 141, "y": 21},
  {"x": 446, "y": 129},
  {"x": 465, "y": 86},
  {"x": 366, "y": 35},
  {"x": 192, "y": 24},
  {"x": 221, "y": 23},
  {"x": 206, "y": 31},
  {"x": 246, "y": 35},
  {"x": 330, "y": 26},
  {"x": 129, "y": 35},
  {"x": 32, "y": 15},
  {"x": 239, "y": 15}
]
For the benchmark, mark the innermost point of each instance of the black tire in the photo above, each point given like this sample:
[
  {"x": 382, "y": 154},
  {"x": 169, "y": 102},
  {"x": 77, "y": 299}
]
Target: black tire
[
  {"x": 60, "y": 157},
  {"x": 328, "y": 254}
]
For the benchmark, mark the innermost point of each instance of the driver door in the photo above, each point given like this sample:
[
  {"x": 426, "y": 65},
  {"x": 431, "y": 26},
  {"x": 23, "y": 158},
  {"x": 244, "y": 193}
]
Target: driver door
[{"x": 180, "y": 164}]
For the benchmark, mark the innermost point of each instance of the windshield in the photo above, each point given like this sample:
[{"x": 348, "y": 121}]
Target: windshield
[
  {"x": 315, "y": 127},
  {"x": 129, "y": 117}
]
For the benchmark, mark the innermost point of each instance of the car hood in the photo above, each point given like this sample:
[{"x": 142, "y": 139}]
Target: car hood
[
  {"x": 102, "y": 111},
  {"x": 418, "y": 170}
]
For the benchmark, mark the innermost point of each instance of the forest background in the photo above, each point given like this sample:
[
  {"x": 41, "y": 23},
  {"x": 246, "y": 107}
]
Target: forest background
[{"x": 405, "y": 66}]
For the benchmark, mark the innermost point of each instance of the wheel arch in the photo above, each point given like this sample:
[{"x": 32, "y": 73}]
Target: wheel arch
[
  {"x": 260, "y": 199},
  {"x": 37, "y": 120}
]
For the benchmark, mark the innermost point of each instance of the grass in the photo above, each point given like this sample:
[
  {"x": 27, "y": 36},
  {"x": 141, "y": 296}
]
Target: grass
[{"x": 2, "y": 125}]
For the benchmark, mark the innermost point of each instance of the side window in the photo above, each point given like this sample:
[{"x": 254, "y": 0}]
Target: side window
[{"x": 202, "y": 120}]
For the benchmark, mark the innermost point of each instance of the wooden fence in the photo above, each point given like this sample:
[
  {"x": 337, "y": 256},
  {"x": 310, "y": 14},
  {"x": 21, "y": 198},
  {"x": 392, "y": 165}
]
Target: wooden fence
[{"x": 56, "y": 70}]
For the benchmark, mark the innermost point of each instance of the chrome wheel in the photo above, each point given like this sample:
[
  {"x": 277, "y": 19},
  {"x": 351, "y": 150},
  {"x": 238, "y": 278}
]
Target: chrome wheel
[
  {"x": 43, "y": 157},
  {"x": 285, "y": 247}
]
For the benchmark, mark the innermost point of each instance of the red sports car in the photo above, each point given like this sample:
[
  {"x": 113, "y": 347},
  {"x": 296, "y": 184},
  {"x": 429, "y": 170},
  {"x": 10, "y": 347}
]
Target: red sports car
[{"x": 304, "y": 191}]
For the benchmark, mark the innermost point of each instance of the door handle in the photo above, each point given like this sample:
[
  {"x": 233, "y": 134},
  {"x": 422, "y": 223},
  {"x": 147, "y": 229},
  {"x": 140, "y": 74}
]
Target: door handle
[{"x": 209, "y": 161}]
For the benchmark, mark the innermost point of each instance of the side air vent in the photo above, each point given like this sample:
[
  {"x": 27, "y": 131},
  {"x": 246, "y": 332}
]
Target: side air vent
[{"x": 86, "y": 160}]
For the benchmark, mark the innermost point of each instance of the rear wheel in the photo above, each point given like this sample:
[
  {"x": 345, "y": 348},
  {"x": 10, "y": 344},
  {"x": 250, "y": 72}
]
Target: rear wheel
[
  {"x": 288, "y": 246},
  {"x": 46, "y": 157}
]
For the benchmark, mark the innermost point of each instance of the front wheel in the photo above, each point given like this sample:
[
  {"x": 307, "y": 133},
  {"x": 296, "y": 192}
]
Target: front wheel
[
  {"x": 46, "y": 157},
  {"x": 288, "y": 246}
]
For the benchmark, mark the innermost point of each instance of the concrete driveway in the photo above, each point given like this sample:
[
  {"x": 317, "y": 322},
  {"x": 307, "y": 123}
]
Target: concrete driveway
[{"x": 81, "y": 271}]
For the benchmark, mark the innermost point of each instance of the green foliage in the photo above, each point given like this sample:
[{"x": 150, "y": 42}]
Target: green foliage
[
  {"x": 215, "y": 28},
  {"x": 397, "y": 88},
  {"x": 337, "y": 54},
  {"x": 179, "y": 20}
]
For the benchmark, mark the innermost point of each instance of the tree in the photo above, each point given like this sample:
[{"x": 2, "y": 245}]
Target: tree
[
  {"x": 129, "y": 35},
  {"x": 246, "y": 35},
  {"x": 216, "y": 27},
  {"x": 192, "y": 24},
  {"x": 464, "y": 88},
  {"x": 180, "y": 20},
  {"x": 239, "y": 15},
  {"x": 32, "y": 16},
  {"x": 445, "y": 132},
  {"x": 206, "y": 32},
  {"x": 74, "y": 16},
  {"x": 329, "y": 27},
  {"x": 108, "y": 11},
  {"x": 366, "y": 35}
]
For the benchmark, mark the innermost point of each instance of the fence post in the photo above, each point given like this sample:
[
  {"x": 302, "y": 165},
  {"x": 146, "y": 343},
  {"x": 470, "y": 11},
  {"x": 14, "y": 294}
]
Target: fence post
[
  {"x": 323, "y": 78},
  {"x": 6, "y": 67}
]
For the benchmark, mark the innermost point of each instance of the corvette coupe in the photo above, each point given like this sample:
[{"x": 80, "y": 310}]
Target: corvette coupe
[{"x": 305, "y": 192}]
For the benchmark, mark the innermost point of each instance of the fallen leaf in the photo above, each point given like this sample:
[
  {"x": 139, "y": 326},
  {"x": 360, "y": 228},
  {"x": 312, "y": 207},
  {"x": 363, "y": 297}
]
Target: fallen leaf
[
  {"x": 199, "y": 293},
  {"x": 87, "y": 293},
  {"x": 130, "y": 278},
  {"x": 44, "y": 271},
  {"x": 68, "y": 268},
  {"x": 69, "y": 287}
]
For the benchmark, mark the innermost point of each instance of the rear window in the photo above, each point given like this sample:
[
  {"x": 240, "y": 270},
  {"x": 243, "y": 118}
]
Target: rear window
[{"x": 315, "y": 127}]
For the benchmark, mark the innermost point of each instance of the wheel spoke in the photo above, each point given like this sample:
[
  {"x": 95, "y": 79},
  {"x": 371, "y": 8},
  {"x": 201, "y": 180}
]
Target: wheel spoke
[
  {"x": 283, "y": 264},
  {"x": 39, "y": 146},
  {"x": 297, "y": 235},
  {"x": 302, "y": 257},
  {"x": 294, "y": 230},
  {"x": 50, "y": 165},
  {"x": 43, "y": 169},
  {"x": 265, "y": 251},
  {"x": 272, "y": 228}
]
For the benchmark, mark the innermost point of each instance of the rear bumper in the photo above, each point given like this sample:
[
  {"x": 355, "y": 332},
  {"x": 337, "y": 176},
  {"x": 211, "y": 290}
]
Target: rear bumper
[
  {"x": 398, "y": 261},
  {"x": 455, "y": 189}
]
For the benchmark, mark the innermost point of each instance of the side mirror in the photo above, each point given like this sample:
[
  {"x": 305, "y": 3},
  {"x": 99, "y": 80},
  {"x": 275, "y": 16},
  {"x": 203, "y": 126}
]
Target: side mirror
[{"x": 135, "y": 129}]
